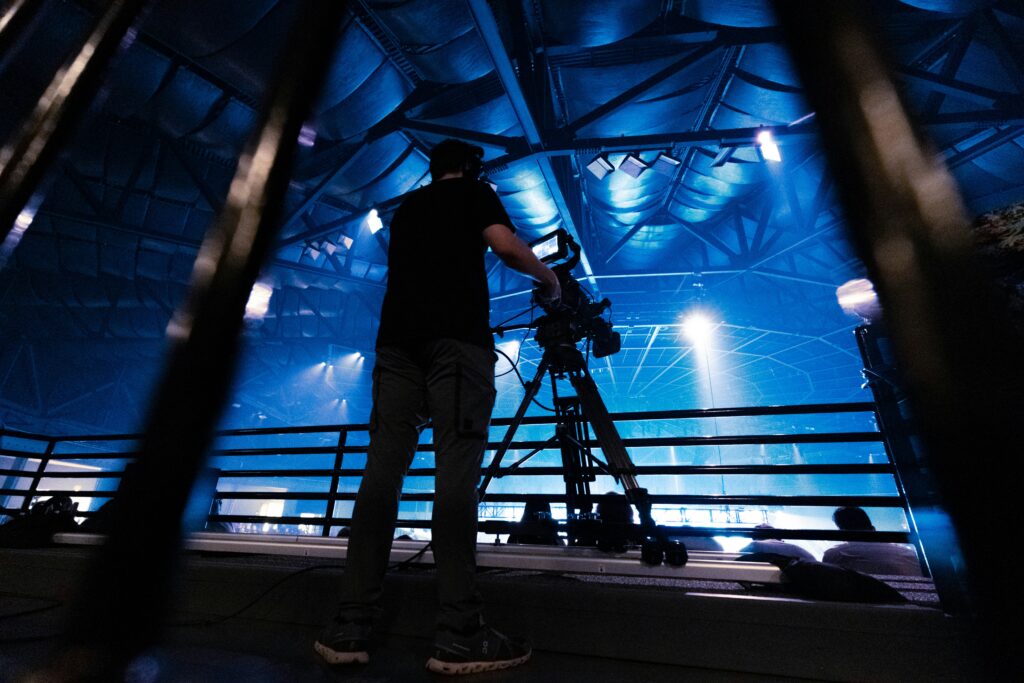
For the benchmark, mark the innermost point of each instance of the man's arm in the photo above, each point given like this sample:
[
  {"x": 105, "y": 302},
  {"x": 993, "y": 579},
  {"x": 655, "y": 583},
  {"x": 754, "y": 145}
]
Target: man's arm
[{"x": 517, "y": 255}]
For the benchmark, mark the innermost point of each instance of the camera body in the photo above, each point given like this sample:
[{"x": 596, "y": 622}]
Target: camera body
[{"x": 576, "y": 316}]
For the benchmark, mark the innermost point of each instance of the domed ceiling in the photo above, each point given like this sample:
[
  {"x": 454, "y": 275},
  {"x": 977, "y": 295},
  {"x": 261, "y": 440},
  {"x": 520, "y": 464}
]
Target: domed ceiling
[{"x": 669, "y": 95}]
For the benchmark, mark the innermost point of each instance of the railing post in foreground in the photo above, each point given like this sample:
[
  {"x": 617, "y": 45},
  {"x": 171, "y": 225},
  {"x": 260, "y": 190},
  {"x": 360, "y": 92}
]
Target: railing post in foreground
[
  {"x": 123, "y": 602},
  {"x": 15, "y": 21},
  {"x": 33, "y": 487},
  {"x": 25, "y": 158},
  {"x": 332, "y": 495},
  {"x": 961, "y": 361}
]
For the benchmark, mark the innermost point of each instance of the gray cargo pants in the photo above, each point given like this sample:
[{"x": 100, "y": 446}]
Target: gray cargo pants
[{"x": 452, "y": 383}]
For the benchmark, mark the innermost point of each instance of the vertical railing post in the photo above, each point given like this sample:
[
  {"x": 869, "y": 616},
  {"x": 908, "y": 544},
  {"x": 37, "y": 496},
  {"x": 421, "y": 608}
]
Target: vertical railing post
[
  {"x": 122, "y": 605},
  {"x": 25, "y": 158},
  {"x": 957, "y": 353},
  {"x": 332, "y": 495},
  {"x": 922, "y": 502},
  {"x": 33, "y": 486},
  {"x": 15, "y": 21}
]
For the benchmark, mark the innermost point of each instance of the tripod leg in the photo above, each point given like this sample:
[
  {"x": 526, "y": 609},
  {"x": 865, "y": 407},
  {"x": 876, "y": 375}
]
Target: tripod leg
[
  {"x": 531, "y": 392},
  {"x": 619, "y": 462}
]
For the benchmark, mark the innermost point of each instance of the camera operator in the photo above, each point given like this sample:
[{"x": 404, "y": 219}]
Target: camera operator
[{"x": 435, "y": 361}]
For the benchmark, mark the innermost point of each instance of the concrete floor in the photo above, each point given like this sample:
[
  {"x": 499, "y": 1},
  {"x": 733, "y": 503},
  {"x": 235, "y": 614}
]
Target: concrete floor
[{"x": 589, "y": 630}]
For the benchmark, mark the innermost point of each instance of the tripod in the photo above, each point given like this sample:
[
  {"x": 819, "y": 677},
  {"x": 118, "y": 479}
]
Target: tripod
[{"x": 575, "y": 416}]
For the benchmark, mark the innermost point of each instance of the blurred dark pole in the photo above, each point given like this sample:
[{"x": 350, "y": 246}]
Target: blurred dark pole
[
  {"x": 16, "y": 17},
  {"x": 26, "y": 157},
  {"x": 124, "y": 599},
  {"x": 963, "y": 366}
]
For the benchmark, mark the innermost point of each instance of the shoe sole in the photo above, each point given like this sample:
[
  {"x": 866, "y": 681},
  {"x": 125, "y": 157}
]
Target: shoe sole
[
  {"x": 455, "y": 668},
  {"x": 335, "y": 657}
]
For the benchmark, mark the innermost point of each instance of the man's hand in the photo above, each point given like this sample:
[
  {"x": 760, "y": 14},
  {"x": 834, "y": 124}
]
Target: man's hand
[
  {"x": 517, "y": 255},
  {"x": 549, "y": 291}
]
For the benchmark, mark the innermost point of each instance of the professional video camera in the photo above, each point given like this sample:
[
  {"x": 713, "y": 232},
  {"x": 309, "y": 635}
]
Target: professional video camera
[{"x": 576, "y": 316}]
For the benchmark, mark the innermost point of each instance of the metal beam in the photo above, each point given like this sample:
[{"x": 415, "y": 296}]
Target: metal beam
[
  {"x": 488, "y": 27},
  {"x": 504, "y": 141},
  {"x": 643, "y": 86},
  {"x": 28, "y": 154},
  {"x": 997, "y": 138},
  {"x": 985, "y": 97},
  {"x": 141, "y": 232}
]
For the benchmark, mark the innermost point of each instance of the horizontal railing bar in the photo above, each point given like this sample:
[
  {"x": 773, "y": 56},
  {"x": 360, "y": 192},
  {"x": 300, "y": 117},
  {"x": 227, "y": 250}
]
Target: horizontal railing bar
[
  {"x": 32, "y": 455},
  {"x": 32, "y": 474},
  {"x": 644, "y": 442},
  {"x": 526, "y": 470},
  {"x": 669, "y": 499},
  {"x": 640, "y": 442},
  {"x": 694, "y": 413},
  {"x": 25, "y": 435},
  {"x": 752, "y": 411}
]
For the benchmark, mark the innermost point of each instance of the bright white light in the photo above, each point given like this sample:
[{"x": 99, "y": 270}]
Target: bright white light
[
  {"x": 769, "y": 150},
  {"x": 24, "y": 220},
  {"x": 511, "y": 349},
  {"x": 373, "y": 220},
  {"x": 698, "y": 329},
  {"x": 307, "y": 136},
  {"x": 857, "y": 297},
  {"x": 17, "y": 231},
  {"x": 259, "y": 301}
]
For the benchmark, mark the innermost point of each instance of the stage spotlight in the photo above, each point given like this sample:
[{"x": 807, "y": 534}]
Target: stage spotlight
[
  {"x": 633, "y": 165},
  {"x": 374, "y": 222},
  {"x": 347, "y": 241},
  {"x": 766, "y": 143},
  {"x": 698, "y": 329},
  {"x": 599, "y": 167},
  {"x": 259, "y": 301},
  {"x": 665, "y": 164}
]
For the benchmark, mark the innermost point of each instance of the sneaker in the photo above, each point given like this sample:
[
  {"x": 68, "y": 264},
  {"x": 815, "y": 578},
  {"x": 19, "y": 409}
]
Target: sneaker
[
  {"x": 343, "y": 643},
  {"x": 485, "y": 650}
]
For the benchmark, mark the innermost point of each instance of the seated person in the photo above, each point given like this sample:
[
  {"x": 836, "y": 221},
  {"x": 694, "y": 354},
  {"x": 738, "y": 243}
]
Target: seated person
[
  {"x": 776, "y": 546},
  {"x": 869, "y": 557}
]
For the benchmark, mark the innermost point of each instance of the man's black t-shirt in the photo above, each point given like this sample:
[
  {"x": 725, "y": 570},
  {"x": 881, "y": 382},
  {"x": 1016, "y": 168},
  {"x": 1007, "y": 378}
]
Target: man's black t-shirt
[{"x": 437, "y": 283}]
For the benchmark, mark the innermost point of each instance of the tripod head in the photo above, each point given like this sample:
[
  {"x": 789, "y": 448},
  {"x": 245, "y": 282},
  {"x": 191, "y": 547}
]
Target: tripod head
[{"x": 576, "y": 316}]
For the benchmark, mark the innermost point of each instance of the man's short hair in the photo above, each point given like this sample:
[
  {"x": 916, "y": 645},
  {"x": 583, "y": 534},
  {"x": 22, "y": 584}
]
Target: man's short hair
[
  {"x": 456, "y": 156},
  {"x": 852, "y": 519}
]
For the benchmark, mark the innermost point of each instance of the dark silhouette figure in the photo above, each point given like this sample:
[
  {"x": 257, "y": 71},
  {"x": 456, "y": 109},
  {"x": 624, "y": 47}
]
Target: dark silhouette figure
[{"x": 869, "y": 557}]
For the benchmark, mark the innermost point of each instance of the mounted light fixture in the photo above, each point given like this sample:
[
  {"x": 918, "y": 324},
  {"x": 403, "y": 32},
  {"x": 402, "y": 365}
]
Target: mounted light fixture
[
  {"x": 600, "y": 167},
  {"x": 347, "y": 241},
  {"x": 374, "y": 222},
  {"x": 666, "y": 164},
  {"x": 633, "y": 165},
  {"x": 766, "y": 144}
]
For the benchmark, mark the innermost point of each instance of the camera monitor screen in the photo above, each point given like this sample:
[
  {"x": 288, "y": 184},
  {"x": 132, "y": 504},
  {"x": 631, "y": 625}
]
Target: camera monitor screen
[{"x": 551, "y": 247}]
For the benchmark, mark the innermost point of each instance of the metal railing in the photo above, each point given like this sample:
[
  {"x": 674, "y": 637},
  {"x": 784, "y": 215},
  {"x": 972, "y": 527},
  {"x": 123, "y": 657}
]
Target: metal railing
[{"x": 336, "y": 443}]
